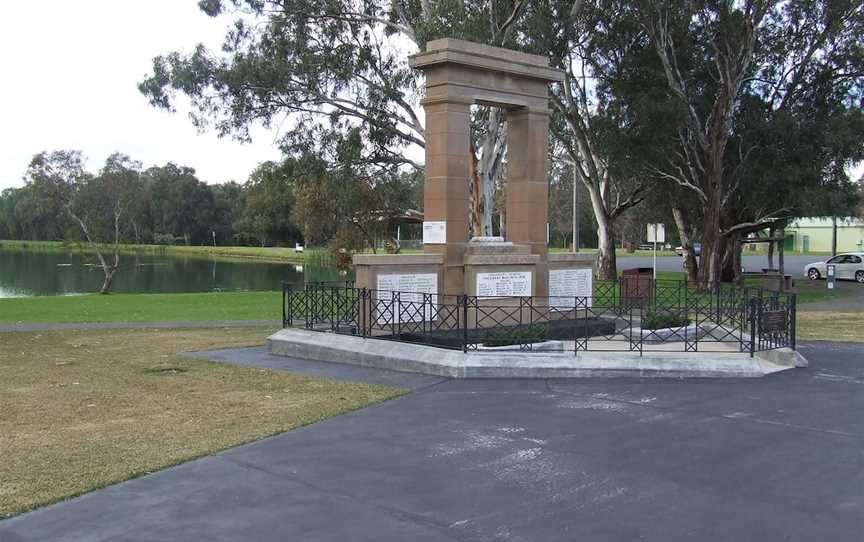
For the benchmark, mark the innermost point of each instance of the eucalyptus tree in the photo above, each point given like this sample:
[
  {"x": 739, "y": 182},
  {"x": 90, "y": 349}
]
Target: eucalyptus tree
[
  {"x": 180, "y": 204},
  {"x": 768, "y": 94},
  {"x": 228, "y": 203},
  {"x": 593, "y": 43},
  {"x": 98, "y": 205},
  {"x": 332, "y": 69},
  {"x": 11, "y": 202},
  {"x": 268, "y": 203}
]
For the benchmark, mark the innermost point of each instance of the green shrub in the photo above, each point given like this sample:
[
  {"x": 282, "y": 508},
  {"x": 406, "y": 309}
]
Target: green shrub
[{"x": 660, "y": 320}]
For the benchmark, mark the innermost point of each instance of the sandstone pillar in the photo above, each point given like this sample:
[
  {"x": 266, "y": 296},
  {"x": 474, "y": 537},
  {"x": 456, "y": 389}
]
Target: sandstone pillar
[
  {"x": 445, "y": 193},
  {"x": 528, "y": 183}
]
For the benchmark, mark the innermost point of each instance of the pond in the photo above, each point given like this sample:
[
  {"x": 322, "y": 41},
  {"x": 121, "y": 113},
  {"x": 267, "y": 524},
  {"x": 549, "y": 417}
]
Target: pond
[{"x": 25, "y": 273}]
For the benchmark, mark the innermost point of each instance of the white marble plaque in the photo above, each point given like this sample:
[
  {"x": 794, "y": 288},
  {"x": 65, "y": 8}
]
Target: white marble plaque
[
  {"x": 410, "y": 306},
  {"x": 565, "y": 285},
  {"x": 434, "y": 233},
  {"x": 504, "y": 284}
]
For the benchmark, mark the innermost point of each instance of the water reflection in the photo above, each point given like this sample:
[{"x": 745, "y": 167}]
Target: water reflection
[{"x": 26, "y": 273}]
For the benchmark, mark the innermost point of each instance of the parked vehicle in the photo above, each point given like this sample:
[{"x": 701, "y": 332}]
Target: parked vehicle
[
  {"x": 849, "y": 266},
  {"x": 697, "y": 248}
]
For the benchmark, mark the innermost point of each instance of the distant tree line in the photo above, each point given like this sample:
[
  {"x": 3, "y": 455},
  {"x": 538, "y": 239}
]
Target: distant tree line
[
  {"x": 162, "y": 204},
  {"x": 282, "y": 203}
]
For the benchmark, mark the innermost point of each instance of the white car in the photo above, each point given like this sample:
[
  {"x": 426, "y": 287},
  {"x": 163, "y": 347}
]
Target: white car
[{"x": 846, "y": 266}]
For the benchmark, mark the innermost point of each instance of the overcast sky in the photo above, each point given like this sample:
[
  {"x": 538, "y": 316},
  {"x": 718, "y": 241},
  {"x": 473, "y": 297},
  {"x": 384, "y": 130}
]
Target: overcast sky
[{"x": 70, "y": 72}]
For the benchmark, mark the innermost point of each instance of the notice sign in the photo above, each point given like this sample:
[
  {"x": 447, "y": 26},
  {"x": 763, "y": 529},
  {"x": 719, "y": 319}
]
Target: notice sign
[
  {"x": 565, "y": 285},
  {"x": 656, "y": 233},
  {"x": 505, "y": 284},
  {"x": 408, "y": 305},
  {"x": 434, "y": 233}
]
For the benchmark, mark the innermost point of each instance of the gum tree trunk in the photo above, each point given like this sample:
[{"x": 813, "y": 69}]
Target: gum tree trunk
[
  {"x": 109, "y": 279},
  {"x": 712, "y": 244},
  {"x": 606, "y": 264},
  {"x": 729, "y": 270},
  {"x": 682, "y": 222}
]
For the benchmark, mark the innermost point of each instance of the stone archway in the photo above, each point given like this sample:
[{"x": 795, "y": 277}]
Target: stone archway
[{"x": 458, "y": 75}]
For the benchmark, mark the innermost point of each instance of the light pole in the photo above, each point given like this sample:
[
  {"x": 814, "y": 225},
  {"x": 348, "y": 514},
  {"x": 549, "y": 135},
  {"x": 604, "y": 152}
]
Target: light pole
[{"x": 575, "y": 205}]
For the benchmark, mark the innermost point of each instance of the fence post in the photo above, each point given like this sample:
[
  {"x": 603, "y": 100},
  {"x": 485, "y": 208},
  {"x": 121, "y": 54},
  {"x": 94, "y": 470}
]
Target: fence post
[
  {"x": 718, "y": 317},
  {"x": 285, "y": 287},
  {"x": 793, "y": 310},
  {"x": 685, "y": 313},
  {"x": 576, "y": 326},
  {"x": 334, "y": 301},
  {"x": 464, "y": 299},
  {"x": 630, "y": 325},
  {"x": 755, "y": 306},
  {"x": 366, "y": 311},
  {"x": 427, "y": 298},
  {"x": 363, "y": 315},
  {"x": 311, "y": 295},
  {"x": 393, "y": 299}
]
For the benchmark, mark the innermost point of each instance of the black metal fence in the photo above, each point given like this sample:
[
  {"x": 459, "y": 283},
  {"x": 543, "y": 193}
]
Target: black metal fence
[{"x": 624, "y": 315}]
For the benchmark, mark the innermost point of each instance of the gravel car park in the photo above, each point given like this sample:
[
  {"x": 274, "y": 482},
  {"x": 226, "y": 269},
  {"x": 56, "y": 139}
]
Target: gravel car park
[{"x": 848, "y": 266}]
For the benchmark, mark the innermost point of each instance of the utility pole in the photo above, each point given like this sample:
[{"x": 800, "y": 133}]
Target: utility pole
[
  {"x": 576, "y": 217},
  {"x": 833, "y": 236},
  {"x": 576, "y": 203}
]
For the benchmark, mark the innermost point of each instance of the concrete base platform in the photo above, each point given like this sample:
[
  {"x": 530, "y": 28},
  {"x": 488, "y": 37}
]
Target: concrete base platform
[{"x": 396, "y": 356}]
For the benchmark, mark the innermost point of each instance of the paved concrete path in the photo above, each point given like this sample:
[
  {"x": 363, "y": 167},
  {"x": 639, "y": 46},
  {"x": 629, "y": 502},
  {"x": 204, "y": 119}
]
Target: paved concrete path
[
  {"x": 139, "y": 325},
  {"x": 257, "y": 356},
  {"x": 778, "y": 458}
]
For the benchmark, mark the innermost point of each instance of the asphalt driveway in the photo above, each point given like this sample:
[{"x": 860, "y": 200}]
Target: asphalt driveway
[{"x": 779, "y": 458}]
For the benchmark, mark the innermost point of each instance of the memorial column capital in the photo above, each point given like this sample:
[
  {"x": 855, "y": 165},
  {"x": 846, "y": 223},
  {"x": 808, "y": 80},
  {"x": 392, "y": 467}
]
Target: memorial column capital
[{"x": 447, "y": 100}]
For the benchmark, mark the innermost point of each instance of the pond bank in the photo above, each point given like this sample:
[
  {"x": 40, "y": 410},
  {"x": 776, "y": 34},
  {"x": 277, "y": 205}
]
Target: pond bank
[{"x": 266, "y": 254}]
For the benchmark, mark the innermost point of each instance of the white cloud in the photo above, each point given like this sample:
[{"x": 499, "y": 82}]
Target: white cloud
[{"x": 71, "y": 71}]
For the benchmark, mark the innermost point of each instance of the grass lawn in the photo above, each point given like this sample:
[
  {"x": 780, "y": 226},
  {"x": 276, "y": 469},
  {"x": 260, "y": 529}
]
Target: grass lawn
[
  {"x": 811, "y": 291},
  {"x": 143, "y": 307},
  {"x": 820, "y": 294},
  {"x": 222, "y": 305},
  {"x": 831, "y": 326},
  {"x": 84, "y": 409}
]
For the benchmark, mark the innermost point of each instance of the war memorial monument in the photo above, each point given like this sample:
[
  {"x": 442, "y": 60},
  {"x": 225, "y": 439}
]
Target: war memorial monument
[{"x": 507, "y": 307}]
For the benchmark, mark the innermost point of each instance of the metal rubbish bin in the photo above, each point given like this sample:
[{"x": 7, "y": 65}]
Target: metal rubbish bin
[{"x": 637, "y": 286}]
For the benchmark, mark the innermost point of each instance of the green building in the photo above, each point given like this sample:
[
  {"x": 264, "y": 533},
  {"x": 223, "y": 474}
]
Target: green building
[{"x": 814, "y": 235}]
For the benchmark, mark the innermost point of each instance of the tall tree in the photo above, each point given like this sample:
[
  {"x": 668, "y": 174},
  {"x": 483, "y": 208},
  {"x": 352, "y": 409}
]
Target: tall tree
[
  {"x": 593, "y": 42},
  {"x": 268, "y": 203},
  {"x": 351, "y": 210},
  {"x": 96, "y": 204},
  {"x": 748, "y": 77},
  {"x": 335, "y": 68},
  {"x": 181, "y": 204},
  {"x": 228, "y": 202},
  {"x": 11, "y": 227}
]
